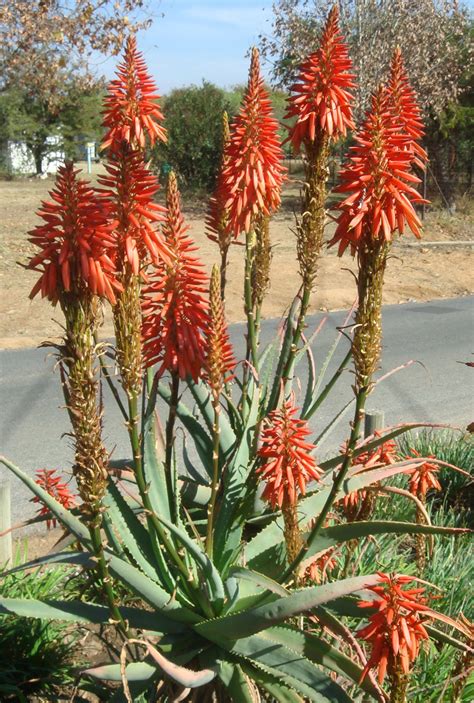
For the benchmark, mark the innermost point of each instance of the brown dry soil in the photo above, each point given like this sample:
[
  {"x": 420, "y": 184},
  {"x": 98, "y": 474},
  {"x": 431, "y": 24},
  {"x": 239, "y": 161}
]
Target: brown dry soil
[{"x": 414, "y": 273}]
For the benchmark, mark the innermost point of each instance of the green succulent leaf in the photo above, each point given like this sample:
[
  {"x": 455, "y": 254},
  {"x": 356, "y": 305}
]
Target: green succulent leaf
[
  {"x": 201, "y": 439},
  {"x": 154, "y": 470},
  {"x": 291, "y": 668},
  {"x": 131, "y": 531},
  {"x": 231, "y": 517},
  {"x": 136, "y": 671},
  {"x": 254, "y": 620},
  {"x": 209, "y": 571},
  {"x": 266, "y": 552},
  {"x": 201, "y": 395},
  {"x": 77, "y": 611},
  {"x": 66, "y": 518},
  {"x": 331, "y": 536}
]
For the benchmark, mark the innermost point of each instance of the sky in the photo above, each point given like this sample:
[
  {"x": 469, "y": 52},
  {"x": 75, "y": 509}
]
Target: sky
[{"x": 195, "y": 40}]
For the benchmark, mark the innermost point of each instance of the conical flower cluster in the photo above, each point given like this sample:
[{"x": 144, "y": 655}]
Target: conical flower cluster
[
  {"x": 131, "y": 109},
  {"x": 321, "y": 100},
  {"x": 403, "y": 105},
  {"x": 396, "y": 629},
  {"x": 75, "y": 240},
  {"x": 175, "y": 308},
  {"x": 57, "y": 489},
  {"x": 383, "y": 455},
  {"x": 129, "y": 187},
  {"x": 423, "y": 477},
  {"x": 376, "y": 180},
  {"x": 288, "y": 463},
  {"x": 220, "y": 360},
  {"x": 254, "y": 174}
]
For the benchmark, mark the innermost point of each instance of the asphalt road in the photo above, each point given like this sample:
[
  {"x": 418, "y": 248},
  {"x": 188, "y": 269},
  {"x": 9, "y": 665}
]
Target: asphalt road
[{"x": 33, "y": 425}]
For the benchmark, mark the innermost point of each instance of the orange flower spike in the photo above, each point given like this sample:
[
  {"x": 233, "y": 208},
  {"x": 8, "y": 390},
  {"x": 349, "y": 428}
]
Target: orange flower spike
[
  {"x": 131, "y": 109},
  {"x": 254, "y": 174},
  {"x": 76, "y": 241},
  {"x": 405, "y": 110},
  {"x": 129, "y": 187},
  {"x": 322, "y": 101},
  {"x": 289, "y": 464},
  {"x": 376, "y": 181},
  {"x": 423, "y": 477},
  {"x": 57, "y": 489},
  {"x": 175, "y": 304},
  {"x": 396, "y": 629}
]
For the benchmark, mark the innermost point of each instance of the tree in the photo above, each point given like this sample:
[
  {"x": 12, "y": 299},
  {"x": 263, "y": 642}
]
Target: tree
[
  {"x": 431, "y": 33},
  {"x": 46, "y": 85},
  {"x": 193, "y": 117},
  {"x": 43, "y": 42},
  {"x": 32, "y": 121},
  {"x": 436, "y": 43}
]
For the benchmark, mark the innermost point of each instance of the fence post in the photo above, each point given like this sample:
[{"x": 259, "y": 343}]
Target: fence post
[
  {"x": 374, "y": 420},
  {"x": 5, "y": 523}
]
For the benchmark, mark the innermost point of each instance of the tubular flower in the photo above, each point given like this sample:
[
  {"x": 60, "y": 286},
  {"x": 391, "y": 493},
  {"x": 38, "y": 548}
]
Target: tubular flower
[
  {"x": 423, "y": 477},
  {"x": 406, "y": 113},
  {"x": 321, "y": 566},
  {"x": 75, "y": 240},
  {"x": 253, "y": 176},
  {"x": 396, "y": 629},
  {"x": 57, "y": 489},
  {"x": 322, "y": 102},
  {"x": 376, "y": 177},
  {"x": 220, "y": 360},
  {"x": 131, "y": 111},
  {"x": 128, "y": 190},
  {"x": 175, "y": 305},
  {"x": 383, "y": 455},
  {"x": 288, "y": 462}
]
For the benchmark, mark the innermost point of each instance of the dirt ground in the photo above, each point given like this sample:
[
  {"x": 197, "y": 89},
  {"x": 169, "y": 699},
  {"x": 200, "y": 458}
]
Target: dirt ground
[{"x": 414, "y": 273}]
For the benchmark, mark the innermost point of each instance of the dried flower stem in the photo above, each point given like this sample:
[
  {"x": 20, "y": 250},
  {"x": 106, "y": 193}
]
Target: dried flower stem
[
  {"x": 215, "y": 478},
  {"x": 420, "y": 544},
  {"x": 310, "y": 232},
  {"x": 398, "y": 686},
  {"x": 170, "y": 432},
  {"x": 91, "y": 458},
  {"x": 368, "y": 320},
  {"x": 293, "y": 537},
  {"x": 252, "y": 341}
]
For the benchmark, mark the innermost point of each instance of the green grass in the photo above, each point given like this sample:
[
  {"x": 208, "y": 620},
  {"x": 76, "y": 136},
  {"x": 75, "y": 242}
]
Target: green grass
[
  {"x": 36, "y": 655},
  {"x": 455, "y": 448},
  {"x": 451, "y": 569}
]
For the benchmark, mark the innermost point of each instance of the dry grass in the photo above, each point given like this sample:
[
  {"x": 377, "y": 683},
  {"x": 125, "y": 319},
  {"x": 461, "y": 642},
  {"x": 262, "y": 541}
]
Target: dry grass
[{"x": 413, "y": 274}]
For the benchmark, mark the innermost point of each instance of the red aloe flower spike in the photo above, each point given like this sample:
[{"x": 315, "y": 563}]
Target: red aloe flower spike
[
  {"x": 397, "y": 628},
  {"x": 322, "y": 102},
  {"x": 175, "y": 307},
  {"x": 76, "y": 241},
  {"x": 383, "y": 455},
  {"x": 220, "y": 360},
  {"x": 376, "y": 180},
  {"x": 423, "y": 477},
  {"x": 405, "y": 110},
  {"x": 128, "y": 190},
  {"x": 131, "y": 109},
  {"x": 254, "y": 174},
  {"x": 217, "y": 221},
  {"x": 321, "y": 566},
  {"x": 56, "y": 488},
  {"x": 289, "y": 464}
]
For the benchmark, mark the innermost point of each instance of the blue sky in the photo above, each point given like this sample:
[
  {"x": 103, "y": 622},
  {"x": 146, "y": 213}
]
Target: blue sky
[{"x": 196, "y": 40}]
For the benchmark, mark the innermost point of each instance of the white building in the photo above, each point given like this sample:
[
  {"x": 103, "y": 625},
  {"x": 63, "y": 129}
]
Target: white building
[{"x": 20, "y": 160}]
